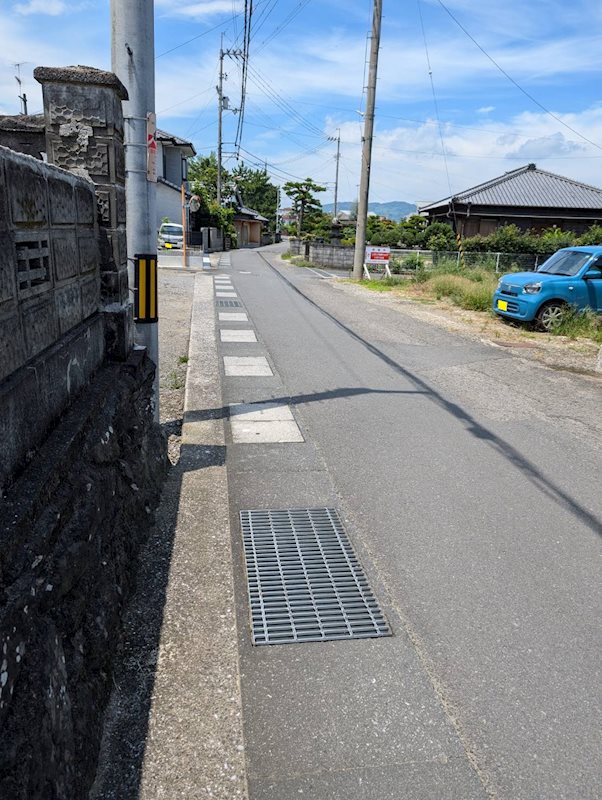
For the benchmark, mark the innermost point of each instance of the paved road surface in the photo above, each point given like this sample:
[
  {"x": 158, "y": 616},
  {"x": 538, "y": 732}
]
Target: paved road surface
[{"x": 469, "y": 482}]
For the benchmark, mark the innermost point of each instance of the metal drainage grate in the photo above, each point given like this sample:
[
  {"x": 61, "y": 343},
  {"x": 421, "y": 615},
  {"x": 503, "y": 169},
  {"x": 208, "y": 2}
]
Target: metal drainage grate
[
  {"x": 228, "y": 304},
  {"x": 305, "y": 582}
]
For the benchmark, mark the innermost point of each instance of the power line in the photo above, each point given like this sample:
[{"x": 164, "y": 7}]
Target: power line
[
  {"x": 285, "y": 23},
  {"x": 514, "y": 83}
]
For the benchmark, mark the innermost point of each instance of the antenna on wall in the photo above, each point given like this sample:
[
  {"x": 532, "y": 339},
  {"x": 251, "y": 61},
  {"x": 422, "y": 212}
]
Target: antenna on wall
[{"x": 22, "y": 96}]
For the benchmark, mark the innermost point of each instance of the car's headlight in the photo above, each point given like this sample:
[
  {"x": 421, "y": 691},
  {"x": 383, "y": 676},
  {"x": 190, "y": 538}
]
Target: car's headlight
[
  {"x": 532, "y": 288},
  {"x": 499, "y": 283}
]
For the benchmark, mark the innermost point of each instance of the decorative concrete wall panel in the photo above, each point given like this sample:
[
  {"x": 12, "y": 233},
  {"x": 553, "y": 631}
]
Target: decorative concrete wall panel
[
  {"x": 86, "y": 205},
  {"x": 88, "y": 252},
  {"x": 90, "y": 291},
  {"x": 62, "y": 202},
  {"x": 4, "y": 205},
  {"x": 68, "y": 306},
  {"x": 29, "y": 205},
  {"x": 12, "y": 345},
  {"x": 8, "y": 288},
  {"x": 64, "y": 253},
  {"x": 40, "y": 325}
]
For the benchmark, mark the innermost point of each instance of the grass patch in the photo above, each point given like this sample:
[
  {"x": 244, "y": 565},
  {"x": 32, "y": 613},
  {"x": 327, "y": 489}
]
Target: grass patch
[
  {"x": 182, "y": 359},
  {"x": 175, "y": 380},
  {"x": 575, "y": 324},
  {"x": 286, "y": 256},
  {"x": 299, "y": 261}
]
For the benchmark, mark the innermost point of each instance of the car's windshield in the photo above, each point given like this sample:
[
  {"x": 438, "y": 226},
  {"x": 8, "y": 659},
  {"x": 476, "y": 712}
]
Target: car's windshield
[
  {"x": 171, "y": 230},
  {"x": 565, "y": 262}
]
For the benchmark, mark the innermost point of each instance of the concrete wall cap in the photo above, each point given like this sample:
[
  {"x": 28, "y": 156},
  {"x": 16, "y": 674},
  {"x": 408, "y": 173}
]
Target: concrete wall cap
[
  {"x": 45, "y": 169},
  {"x": 81, "y": 74}
]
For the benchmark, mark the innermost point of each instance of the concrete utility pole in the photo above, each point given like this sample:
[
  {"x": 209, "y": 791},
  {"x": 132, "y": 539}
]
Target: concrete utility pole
[
  {"x": 133, "y": 61},
  {"x": 336, "y": 179},
  {"x": 220, "y": 109},
  {"x": 362, "y": 206}
]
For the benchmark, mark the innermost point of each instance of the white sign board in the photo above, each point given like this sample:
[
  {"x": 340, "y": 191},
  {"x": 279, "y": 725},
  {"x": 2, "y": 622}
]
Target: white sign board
[{"x": 377, "y": 256}]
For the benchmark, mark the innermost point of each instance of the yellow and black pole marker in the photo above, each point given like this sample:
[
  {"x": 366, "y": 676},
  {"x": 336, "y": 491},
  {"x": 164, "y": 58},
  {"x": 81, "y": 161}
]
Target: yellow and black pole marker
[
  {"x": 145, "y": 290},
  {"x": 460, "y": 248}
]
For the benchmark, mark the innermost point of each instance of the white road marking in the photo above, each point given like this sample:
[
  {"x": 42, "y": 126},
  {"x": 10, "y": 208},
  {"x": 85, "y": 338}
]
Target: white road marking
[
  {"x": 247, "y": 366},
  {"x": 225, "y": 294},
  {"x": 276, "y": 432},
  {"x": 234, "y": 335},
  {"x": 260, "y": 412},
  {"x": 232, "y": 316}
]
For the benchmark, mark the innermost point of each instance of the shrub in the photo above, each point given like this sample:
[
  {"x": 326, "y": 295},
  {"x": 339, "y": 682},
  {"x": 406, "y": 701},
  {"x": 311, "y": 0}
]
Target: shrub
[{"x": 413, "y": 261}]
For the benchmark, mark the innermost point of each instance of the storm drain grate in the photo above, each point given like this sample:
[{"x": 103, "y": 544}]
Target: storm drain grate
[
  {"x": 305, "y": 581},
  {"x": 228, "y": 304}
]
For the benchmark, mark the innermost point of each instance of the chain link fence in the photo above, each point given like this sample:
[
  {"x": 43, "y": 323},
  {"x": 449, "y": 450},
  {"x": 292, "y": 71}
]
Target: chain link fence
[{"x": 408, "y": 261}]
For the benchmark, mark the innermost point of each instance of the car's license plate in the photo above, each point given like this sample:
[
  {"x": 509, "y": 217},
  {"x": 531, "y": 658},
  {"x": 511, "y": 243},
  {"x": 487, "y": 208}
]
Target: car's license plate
[
  {"x": 168, "y": 245},
  {"x": 502, "y": 305}
]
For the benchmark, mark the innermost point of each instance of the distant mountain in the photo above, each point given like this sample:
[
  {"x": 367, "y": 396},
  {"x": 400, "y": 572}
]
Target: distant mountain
[{"x": 395, "y": 210}]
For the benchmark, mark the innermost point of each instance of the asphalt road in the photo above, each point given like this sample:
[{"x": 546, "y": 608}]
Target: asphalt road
[{"x": 469, "y": 482}]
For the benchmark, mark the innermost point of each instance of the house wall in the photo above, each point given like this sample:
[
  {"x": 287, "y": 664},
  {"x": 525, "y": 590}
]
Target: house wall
[
  {"x": 172, "y": 164},
  {"x": 169, "y": 204}
]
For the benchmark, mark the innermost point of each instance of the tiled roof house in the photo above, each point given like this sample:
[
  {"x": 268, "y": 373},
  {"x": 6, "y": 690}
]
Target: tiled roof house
[{"x": 528, "y": 197}]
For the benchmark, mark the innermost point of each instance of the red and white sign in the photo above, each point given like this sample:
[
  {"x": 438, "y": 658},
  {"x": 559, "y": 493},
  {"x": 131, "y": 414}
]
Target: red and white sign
[
  {"x": 151, "y": 147},
  {"x": 377, "y": 256}
]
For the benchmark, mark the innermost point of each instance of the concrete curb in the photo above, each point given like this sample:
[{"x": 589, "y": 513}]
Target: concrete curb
[{"x": 195, "y": 747}]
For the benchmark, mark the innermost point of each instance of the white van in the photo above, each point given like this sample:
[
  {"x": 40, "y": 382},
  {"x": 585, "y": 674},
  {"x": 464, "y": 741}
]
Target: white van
[{"x": 171, "y": 235}]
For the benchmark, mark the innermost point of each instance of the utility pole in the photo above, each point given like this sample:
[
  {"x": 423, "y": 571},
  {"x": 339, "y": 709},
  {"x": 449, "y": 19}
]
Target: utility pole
[
  {"x": 336, "y": 179},
  {"x": 223, "y": 104},
  {"x": 277, "y": 229},
  {"x": 22, "y": 96},
  {"x": 133, "y": 61},
  {"x": 362, "y": 209},
  {"x": 220, "y": 109}
]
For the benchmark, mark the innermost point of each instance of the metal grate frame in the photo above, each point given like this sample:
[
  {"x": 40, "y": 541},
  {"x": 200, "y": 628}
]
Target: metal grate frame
[
  {"x": 228, "y": 304},
  {"x": 305, "y": 582}
]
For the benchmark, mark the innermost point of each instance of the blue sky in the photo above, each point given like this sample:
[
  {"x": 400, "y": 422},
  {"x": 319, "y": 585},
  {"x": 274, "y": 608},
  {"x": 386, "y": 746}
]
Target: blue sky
[{"x": 306, "y": 79}]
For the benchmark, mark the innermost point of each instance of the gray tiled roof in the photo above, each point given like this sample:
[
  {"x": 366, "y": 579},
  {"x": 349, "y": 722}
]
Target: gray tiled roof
[
  {"x": 163, "y": 136},
  {"x": 528, "y": 187}
]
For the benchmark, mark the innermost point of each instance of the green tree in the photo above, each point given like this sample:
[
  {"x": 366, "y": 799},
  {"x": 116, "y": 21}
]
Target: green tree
[
  {"x": 440, "y": 236},
  {"x": 593, "y": 235},
  {"x": 202, "y": 176},
  {"x": 257, "y": 192},
  {"x": 304, "y": 203}
]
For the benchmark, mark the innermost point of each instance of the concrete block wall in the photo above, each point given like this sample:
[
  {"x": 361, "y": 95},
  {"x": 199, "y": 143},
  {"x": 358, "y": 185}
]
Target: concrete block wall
[
  {"x": 331, "y": 255},
  {"x": 84, "y": 132},
  {"x": 51, "y": 337},
  {"x": 49, "y": 259}
]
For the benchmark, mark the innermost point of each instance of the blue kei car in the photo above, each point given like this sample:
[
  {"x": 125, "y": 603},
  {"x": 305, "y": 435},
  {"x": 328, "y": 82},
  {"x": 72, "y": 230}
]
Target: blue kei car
[{"x": 571, "y": 277}]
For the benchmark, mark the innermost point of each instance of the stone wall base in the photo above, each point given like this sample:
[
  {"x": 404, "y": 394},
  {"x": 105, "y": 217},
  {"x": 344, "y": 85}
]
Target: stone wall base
[{"x": 70, "y": 529}]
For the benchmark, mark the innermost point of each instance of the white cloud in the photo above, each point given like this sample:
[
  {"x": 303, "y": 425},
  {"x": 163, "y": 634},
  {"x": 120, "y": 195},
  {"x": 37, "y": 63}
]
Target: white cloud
[
  {"x": 209, "y": 8},
  {"x": 51, "y": 7},
  {"x": 485, "y": 110}
]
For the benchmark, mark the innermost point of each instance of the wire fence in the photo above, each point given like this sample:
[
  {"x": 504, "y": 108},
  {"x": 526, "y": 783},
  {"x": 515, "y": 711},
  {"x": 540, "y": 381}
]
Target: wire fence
[{"x": 408, "y": 261}]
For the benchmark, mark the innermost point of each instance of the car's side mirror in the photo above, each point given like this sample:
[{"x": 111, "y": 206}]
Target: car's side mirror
[{"x": 592, "y": 274}]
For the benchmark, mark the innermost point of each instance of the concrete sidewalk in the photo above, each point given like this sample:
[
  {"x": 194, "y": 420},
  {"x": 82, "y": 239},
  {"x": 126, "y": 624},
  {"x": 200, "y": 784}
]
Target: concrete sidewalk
[{"x": 174, "y": 728}]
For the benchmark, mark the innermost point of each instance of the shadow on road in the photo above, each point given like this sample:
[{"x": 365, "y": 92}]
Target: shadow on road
[{"x": 506, "y": 450}]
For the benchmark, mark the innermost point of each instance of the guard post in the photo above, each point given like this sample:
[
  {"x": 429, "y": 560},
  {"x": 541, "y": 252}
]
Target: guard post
[{"x": 146, "y": 308}]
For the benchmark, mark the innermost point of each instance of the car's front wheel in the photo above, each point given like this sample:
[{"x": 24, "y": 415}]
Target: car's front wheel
[{"x": 550, "y": 315}]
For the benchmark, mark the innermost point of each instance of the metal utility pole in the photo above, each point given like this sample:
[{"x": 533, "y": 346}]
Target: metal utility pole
[
  {"x": 133, "y": 61},
  {"x": 277, "y": 228},
  {"x": 336, "y": 179},
  {"x": 22, "y": 96},
  {"x": 220, "y": 109},
  {"x": 362, "y": 207}
]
